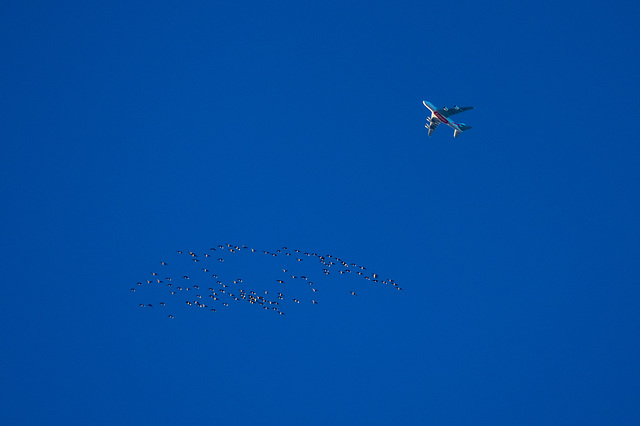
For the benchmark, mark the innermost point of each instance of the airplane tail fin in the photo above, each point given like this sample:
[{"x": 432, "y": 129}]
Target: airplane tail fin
[{"x": 462, "y": 128}]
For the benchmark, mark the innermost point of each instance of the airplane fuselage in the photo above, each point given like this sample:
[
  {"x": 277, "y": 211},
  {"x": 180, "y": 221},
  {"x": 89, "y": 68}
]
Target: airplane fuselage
[
  {"x": 441, "y": 118},
  {"x": 438, "y": 116}
]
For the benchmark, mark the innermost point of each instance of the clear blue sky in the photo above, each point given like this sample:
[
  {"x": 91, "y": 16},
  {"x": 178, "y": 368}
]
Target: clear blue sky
[{"x": 131, "y": 130}]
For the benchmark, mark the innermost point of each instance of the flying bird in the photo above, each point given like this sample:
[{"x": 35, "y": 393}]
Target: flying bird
[{"x": 269, "y": 300}]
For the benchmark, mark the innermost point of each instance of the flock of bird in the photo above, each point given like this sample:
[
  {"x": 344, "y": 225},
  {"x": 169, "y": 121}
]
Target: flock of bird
[{"x": 219, "y": 293}]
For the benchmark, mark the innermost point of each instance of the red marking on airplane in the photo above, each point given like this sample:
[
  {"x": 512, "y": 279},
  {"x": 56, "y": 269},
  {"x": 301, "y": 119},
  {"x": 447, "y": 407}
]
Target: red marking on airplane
[{"x": 440, "y": 117}]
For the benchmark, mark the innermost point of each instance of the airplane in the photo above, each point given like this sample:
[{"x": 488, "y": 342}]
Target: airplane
[{"x": 441, "y": 115}]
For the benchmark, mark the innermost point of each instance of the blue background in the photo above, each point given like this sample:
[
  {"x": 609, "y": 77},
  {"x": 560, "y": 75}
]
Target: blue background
[{"x": 131, "y": 130}]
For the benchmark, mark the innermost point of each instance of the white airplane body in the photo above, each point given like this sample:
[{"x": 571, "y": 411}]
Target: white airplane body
[{"x": 441, "y": 115}]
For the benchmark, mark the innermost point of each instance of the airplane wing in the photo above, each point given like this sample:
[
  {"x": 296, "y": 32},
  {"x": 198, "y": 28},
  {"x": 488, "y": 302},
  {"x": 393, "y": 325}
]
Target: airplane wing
[
  {"x": 431, "y": 125},
  {"x": 448, "y": 112}
]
